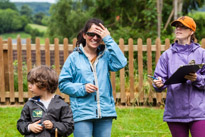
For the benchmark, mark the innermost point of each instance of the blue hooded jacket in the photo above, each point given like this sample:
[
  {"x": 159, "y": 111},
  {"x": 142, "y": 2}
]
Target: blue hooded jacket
[
  {"x": 185, "y": 102},
  {"x": 78, "y": 71}
]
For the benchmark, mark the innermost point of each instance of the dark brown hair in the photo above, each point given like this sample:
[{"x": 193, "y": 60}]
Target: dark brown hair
[
  {"x": 193, "y": 38},
  {"x": 87, "y": 26},
  {"x": 43, "y": 77}
]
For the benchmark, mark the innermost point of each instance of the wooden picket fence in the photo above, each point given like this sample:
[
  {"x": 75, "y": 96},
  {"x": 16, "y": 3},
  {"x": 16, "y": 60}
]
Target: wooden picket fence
[{"x": 132, "y": 94}]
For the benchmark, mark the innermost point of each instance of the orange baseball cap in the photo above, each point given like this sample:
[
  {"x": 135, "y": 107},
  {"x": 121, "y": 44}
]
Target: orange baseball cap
[{"x": 186, "y": 21}]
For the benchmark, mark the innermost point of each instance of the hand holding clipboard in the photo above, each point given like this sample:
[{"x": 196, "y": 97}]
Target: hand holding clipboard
[{"x": 178, "y": 76}]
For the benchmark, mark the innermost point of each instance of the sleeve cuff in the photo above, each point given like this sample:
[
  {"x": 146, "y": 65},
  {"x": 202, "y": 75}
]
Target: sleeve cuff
[
  {"x": 199, "y": 77},
  {"x": 106, "y": 38},
  {"x": 29, "y": 128}
]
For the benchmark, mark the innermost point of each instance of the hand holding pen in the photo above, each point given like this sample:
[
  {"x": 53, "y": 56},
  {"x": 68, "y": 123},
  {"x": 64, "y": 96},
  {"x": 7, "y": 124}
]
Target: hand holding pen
[
  {"x": 154, "y": 78},
  {"x": 157, "y": 81}
]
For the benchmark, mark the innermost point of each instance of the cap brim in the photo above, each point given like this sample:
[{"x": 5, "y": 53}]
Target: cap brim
[{"x": 174, "y": 23}]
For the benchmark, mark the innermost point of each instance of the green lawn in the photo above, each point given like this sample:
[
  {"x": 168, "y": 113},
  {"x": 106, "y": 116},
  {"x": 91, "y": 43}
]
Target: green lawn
[
  {"x": 14, "y": 35},
  {"x": 131, "y": 122},
  {"x": 39, "y": 27},
  {"x": 22, "y": 35}
]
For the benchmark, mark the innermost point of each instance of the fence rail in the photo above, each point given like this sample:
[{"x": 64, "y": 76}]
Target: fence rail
[{"x": 132, "y": 92}]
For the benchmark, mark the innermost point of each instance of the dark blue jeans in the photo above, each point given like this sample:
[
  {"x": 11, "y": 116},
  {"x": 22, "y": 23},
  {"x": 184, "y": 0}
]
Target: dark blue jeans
[{"x": 93, "y": 128}]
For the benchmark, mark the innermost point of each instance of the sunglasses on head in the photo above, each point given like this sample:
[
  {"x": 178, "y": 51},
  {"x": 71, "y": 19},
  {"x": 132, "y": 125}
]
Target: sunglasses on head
[{"x": 91, "y": 34}]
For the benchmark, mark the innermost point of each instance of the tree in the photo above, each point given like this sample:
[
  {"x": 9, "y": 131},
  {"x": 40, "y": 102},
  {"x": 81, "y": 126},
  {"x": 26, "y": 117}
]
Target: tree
[
  {"x": 189, "y": 5},
  {"x": 65, "y": 21},
  {"x": 26, "y": 11},
  {"x": 180, "y": 7},
  {"x": 45, "y": 20},
  {"x": 38, "y": 18},
  {"x": 124, "y": 19},
  {"x": 5, "y": 4},
  {"x": 133, "y": 18},
  {"x": 159, "y": 16},
  {"x": 10, "y": 21}
]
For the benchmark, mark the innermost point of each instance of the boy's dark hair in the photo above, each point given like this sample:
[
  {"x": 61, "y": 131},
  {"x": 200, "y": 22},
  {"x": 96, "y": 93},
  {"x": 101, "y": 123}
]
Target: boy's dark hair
[{"x": 43, "y": 77}]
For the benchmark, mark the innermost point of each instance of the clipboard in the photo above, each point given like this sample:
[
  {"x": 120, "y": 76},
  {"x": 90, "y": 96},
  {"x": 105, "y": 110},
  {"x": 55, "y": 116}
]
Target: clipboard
[{"x": 178, "y": 76}]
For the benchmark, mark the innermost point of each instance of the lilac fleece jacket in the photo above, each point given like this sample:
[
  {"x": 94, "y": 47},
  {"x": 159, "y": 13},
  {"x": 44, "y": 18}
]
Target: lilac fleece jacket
[{"x": 185, "y": 102}]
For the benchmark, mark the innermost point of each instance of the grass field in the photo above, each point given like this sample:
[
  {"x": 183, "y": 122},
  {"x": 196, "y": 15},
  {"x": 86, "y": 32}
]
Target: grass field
[
  {"x": 38, "y": 27},
  {"x": 14, "y": 35},
  {"x": 24, "y": 35},
  {"x": 131, "y": 122}
]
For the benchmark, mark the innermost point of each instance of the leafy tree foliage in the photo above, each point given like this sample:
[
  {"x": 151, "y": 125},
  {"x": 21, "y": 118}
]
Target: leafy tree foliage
[
  {"x": 5, "y": 4},
  {"x": 65, "y": 21},
  {"x": 133, "y": 18},
  {"x": 10, "y": 21},
  {"x": 33, "y": 32},
  {"x": 189, "y": 5},
  {"x": 26, "y": 11},
  {"x": 36, "y": 7},
  {"x": 45, "y": 20},
  {"x": 38, "y": 18},
  {"x": 199, "y": 18}
]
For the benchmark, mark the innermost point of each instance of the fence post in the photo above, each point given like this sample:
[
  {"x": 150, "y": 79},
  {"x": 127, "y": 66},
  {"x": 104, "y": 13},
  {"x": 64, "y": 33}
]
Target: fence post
[
  {"x": 11, "y": 70},
  {"x": 20, "y": 72},
  {"x": 65, "y": 55},
  {"x": 65, "y": 49},
  {"x": 47, "y": 52},
  {"x": 203, "y": 43},
  {"x": 6, "y": 71},
  {"x": 28, "y": 60},
  {"x": 2, "y": 83},
  {"x": 38, "y": 52},
  {"x": 149, "y": 68},
  {"x": 140, "y": 70},
  {"x": 158, "y": 53},
  {"x": 131, "y": 70},
  {"x": 57, "y": 63},
  {"x": 122, "y": 76},
  {"x": 167, "y": 43}
]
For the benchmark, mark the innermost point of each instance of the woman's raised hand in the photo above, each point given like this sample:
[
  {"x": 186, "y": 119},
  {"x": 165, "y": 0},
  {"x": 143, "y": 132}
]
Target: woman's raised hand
[{"x": 102, "y": 31}]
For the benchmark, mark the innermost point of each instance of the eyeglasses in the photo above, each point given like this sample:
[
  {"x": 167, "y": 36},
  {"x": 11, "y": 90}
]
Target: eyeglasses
[
  {"x": 181, "y": 26},
  {"x": 91, "y": 34}
]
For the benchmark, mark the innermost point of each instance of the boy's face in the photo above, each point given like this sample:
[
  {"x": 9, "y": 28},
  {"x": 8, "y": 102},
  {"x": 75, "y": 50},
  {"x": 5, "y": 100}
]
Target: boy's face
[{"x": 34, "y": 89}]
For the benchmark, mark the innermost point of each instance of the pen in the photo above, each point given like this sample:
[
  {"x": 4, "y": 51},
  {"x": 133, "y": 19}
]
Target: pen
[{"x": 154, "y": 78}]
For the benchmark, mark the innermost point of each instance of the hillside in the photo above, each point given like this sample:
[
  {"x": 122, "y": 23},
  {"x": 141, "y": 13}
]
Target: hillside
[{"x": 35, "y": 6}]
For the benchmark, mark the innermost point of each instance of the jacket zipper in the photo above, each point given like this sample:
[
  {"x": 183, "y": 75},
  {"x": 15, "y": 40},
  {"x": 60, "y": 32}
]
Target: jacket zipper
[{"x": 93, "y": 69}]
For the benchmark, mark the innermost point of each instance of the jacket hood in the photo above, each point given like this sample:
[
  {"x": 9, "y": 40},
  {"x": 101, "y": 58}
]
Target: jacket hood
[{"x": 175, "y": 47}]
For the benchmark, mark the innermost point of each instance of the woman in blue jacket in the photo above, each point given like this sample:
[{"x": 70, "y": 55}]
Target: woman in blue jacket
[
  {"x": 85, "y": 78},
  {"x": 185, "y": 102}
]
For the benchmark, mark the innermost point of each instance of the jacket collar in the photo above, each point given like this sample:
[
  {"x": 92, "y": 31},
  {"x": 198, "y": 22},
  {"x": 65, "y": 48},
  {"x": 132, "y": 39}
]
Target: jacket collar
[
  {"x": 37, "y": 98},
  {"x": 100, "y": 50},
  {"x": 175, "y": 47}
]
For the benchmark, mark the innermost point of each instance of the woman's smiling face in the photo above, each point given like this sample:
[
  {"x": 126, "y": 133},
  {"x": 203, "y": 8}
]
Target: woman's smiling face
[{"x": 92, "y": 39}]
